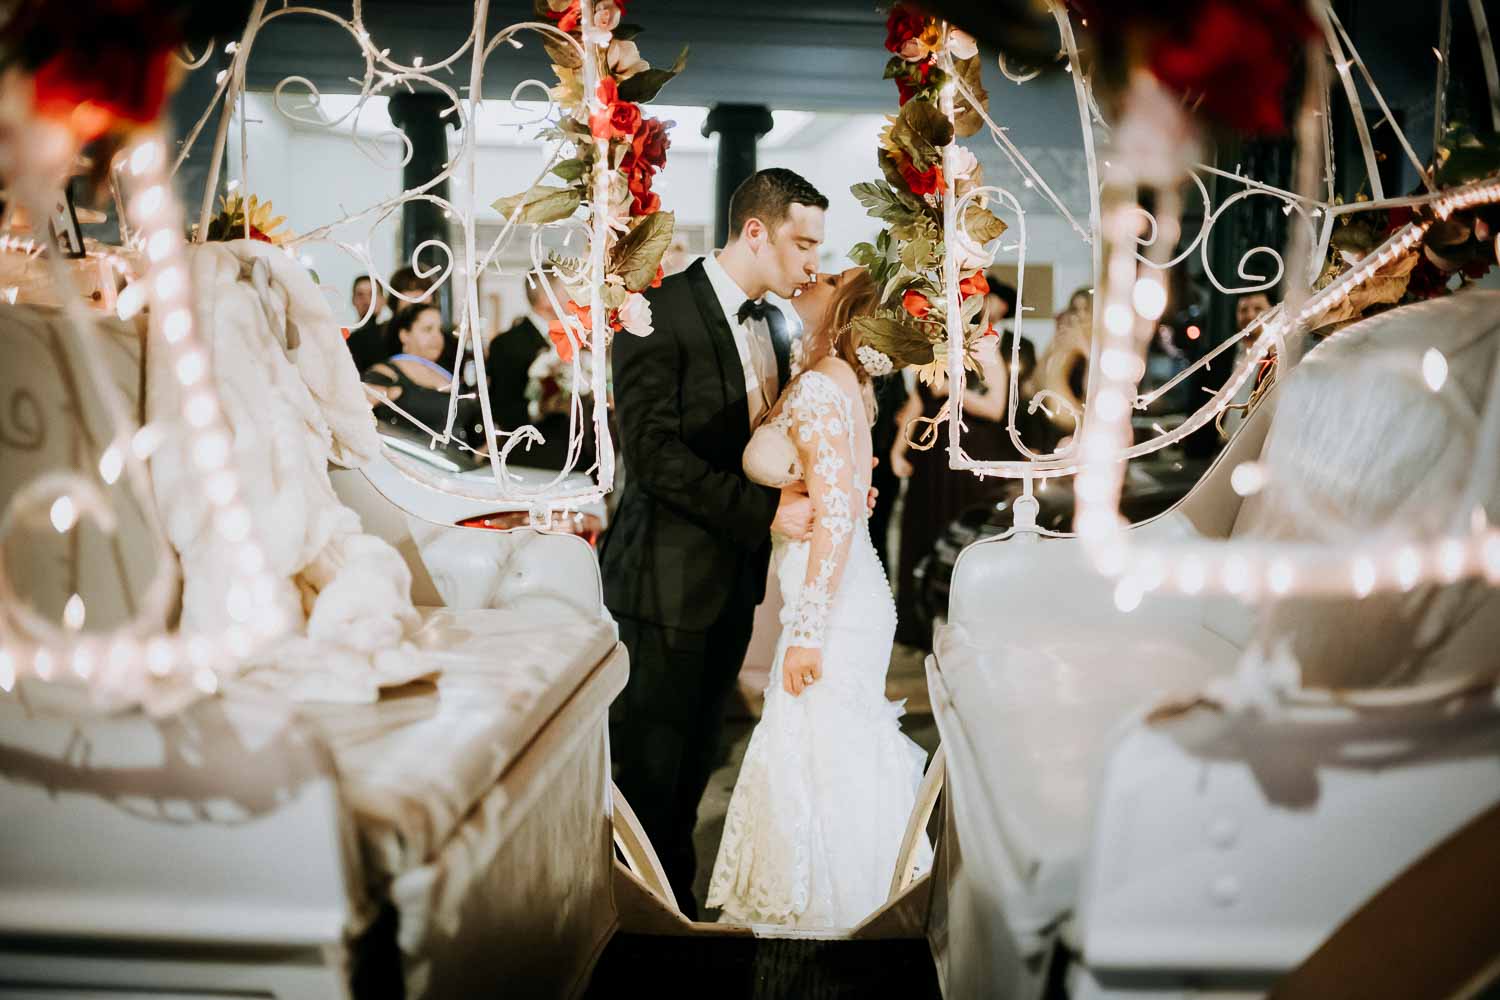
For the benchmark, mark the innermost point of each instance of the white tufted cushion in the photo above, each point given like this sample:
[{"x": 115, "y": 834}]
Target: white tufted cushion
[{"x": 1360, "y": 445}]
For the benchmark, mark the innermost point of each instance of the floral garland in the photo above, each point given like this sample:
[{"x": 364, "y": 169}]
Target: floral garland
[
  {"x": 909, "y": 327},
  {"x": 1460, "y": 246},
  {"x": 639, "y": 233}
]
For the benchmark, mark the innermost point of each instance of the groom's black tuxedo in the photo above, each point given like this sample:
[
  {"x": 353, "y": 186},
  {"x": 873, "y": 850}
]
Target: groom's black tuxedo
[{"x": 684, "y": 561}]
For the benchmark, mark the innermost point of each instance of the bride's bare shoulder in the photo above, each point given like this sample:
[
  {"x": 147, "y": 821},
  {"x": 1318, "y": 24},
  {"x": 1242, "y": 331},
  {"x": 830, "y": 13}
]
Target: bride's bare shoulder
[{"x": 839, "y": 371}]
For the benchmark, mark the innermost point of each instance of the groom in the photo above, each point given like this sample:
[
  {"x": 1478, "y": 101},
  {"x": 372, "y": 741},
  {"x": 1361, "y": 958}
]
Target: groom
[{"x": 685, "y": 559}]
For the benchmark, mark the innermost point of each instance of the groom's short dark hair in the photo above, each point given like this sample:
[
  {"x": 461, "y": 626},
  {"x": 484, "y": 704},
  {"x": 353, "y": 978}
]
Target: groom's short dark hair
[{"x": 768, "y": 195}]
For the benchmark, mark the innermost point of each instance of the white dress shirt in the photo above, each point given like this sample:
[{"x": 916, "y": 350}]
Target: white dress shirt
[{"x": 752, "y": 339}]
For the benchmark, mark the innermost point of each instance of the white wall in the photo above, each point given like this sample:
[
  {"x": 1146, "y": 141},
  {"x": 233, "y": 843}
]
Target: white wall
[{"x": 316, "y": 176}]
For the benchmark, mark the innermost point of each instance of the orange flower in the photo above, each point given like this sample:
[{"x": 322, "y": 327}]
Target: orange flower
[
  {"x": 661, "y": 273},
  {"x": 974, "y": 284},
  {"x": 915, "y": 303},
  {"x": 558, "y": 334}
]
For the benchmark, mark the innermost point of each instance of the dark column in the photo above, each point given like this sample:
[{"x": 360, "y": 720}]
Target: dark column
[
  {"x": 419, "y": 115},
  {"x": 739, "y": 127}
]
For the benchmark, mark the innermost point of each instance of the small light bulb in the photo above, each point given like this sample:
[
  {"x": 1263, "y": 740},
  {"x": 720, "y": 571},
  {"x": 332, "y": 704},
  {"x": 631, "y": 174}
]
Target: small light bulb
[
  {"x": 74, "y": 613},
  {"x": 1364, "y": 577},
  {"x": 179, "y": 324},
  {"x": 220, "y": 487},
  {"x": 7, "y": 670},
  {"x": 1236, "y": 575},
  {"x": 1408, "y": 567},
  {"x": 64, "y": 514},
  {"x": 160, "y": 245},
  {"x": 146, "y": 156},
  {"x": 149, "y": 202},
  {"x": 205, "y": 680},
  {"x": 211, "y": 451},
  {"x": 83, "y": 660},
  {"x": 170, "y": 283},
  {"x": 1111, "y": 405},
  {"x": 44, "y": 664},
  {"x": 1150, "y": 298},
  {"x": 191, "y": 367},
  {"x": 159, "y": 656},
  {"x": 1280, "y": 576},
  {"x": 1490, "y": 553},
  {"x": 1451, "y": 559},
  {"x": 145, "y": 441},
  {"x": 1117, "y": 319},
  {"x": 111, "y": 464},
  {"x": 131, "y": 300},
  {"x": 200, "y": 409},
  {"x": 1248, "y": 478},
  {"x": 1434, "y": 369},
  {"x": 1128, "y": 595}
]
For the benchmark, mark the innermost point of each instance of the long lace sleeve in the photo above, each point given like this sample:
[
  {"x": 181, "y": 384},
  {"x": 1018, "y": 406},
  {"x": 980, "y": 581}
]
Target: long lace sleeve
[{"x": 820, "y": 422}]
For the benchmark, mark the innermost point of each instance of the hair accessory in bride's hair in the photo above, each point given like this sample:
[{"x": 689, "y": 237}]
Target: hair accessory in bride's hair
[{"x": 875, "y": 363}]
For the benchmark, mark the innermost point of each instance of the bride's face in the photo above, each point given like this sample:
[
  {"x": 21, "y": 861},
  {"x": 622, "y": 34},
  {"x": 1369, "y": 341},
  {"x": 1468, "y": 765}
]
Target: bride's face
[{"x": 813, "y": 301}]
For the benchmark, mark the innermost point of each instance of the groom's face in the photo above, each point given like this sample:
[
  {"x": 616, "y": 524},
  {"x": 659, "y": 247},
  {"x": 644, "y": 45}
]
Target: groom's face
[{"x": 791, "y": 255}]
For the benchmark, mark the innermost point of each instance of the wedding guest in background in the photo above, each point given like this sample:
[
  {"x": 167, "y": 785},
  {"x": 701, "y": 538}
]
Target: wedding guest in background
[
  {"x": 530, "y": 383},
  {"x": 890, "y": 396},
  {"x": 413, "y": 379},
  {"x": 367, "y": 339},
  {"x": 999, "y": 302},
  {"x": 935, "y": 493}
]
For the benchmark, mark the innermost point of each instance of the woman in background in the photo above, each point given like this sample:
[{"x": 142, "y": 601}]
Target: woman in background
[{"x": 413, "y": 380}]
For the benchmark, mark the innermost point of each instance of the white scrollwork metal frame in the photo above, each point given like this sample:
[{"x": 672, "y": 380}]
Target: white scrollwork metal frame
[
  {"x": 1130, "y": 246},
  {"x": 564, "y": 490}
]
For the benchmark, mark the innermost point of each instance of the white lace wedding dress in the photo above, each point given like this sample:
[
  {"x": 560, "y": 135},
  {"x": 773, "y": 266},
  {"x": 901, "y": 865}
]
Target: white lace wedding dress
[{"x": 829, "y": 780}]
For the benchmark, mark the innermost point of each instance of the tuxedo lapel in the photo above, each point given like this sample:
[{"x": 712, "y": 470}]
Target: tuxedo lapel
[{"x": 727, "y": 353}]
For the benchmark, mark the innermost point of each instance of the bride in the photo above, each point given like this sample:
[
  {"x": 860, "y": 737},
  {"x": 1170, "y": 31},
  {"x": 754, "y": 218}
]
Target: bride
[{"x": 829, "y": 780}]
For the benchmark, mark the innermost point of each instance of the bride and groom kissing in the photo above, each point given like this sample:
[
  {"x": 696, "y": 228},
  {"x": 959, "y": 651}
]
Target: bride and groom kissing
[{"x": 735, "y": 463}]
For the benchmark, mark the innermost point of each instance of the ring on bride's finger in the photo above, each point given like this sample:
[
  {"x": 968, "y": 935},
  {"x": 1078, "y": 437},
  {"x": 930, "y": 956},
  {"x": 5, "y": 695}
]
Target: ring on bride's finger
[{"x": 807, "y": 679}]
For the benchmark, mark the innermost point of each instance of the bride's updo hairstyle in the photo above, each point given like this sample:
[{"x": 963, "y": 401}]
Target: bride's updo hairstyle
[{"x": 854, "y": 295}]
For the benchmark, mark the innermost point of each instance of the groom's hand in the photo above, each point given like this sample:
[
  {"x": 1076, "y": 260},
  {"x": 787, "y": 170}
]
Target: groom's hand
[
  {"x": 800, "y": 669},
  {"x": 794, "y": 514}
]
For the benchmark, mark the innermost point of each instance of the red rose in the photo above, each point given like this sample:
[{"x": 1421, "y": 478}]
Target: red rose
[
  {"x": 929, "y": 181},
  {"x": 92, "y": 90},
  {"x": 568, "y": 20},
  {"x": 616, "y": 119},
  {"x": 902, "y": 26},
  {"x": 1236, "y": 57},
  {"x": 650, "y": 144},
  {"x": 644, "y": 202},
  {"x": 974, "y": 284},
  {"x": 661, "y": 273},
  {"x": 913, "y": 81},
  {"x": 915, "y": 303}
]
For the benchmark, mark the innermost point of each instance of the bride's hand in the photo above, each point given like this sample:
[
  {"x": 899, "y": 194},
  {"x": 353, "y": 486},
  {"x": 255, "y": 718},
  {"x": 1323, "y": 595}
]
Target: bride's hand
[{"x": 800, "y": 669}]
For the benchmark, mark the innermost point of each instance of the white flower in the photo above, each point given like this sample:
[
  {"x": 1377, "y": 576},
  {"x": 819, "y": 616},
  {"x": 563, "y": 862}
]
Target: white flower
[
  {"x": 961, "y": 44},
  {"x": 625, "y": 59},
  {"x": 875, "y": 363},
  {"x": 606, "y": 15},
  {"x": 963, "y": 163},
  {"x": 635, "y": 315},
  {"x": 969, "y": 255}
]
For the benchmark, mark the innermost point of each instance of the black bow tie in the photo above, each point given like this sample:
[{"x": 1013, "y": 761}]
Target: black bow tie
[{"x": 755, "y": 310}]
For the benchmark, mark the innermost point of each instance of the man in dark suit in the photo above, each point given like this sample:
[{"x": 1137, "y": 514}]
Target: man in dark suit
[
  {"x": 685, "y": 559},
  {"x": 507, "y": 371},
  {"x": 367, "y": 341}
]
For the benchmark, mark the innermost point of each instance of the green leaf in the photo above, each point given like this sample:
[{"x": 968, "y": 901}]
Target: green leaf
[
  {"x": 613, "y": 296},
  {"x": 981, "y": 224},
  {"x": 646, "y": 84},
  {"x": 902, "y": 342},
  {"x": 920, "y": 131},
  {"x": 571, "y": 170},
  {"x": 966, "y": 120},
  {"x": 541, "y": 204},
  {"x": 917, "y": 254},
  {"x": 561, "y": 53},
  {"x": 866, "y": 256},
  {"x": 638, "y": 254}
]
